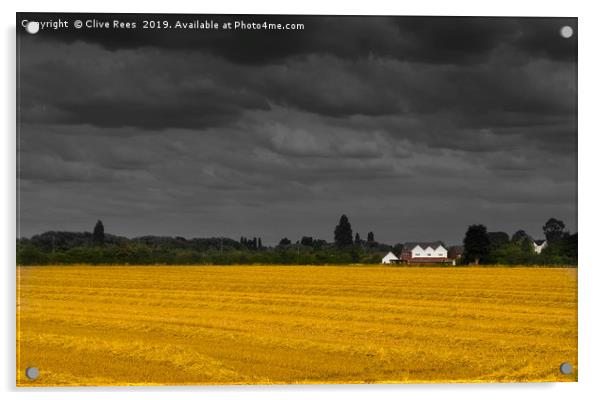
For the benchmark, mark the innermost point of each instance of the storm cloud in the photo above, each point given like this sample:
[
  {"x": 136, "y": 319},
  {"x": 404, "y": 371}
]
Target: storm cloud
[{"x": 414, "y": 127}]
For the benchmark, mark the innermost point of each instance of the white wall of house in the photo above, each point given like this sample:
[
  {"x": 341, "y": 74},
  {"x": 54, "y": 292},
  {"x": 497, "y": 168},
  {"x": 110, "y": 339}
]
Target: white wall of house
[
  {"x": 538, "y": 248},
  {"x": 418, "y": 251},
  {"x": 441, "y": 252},
  {"x": 390, "y": 257}
]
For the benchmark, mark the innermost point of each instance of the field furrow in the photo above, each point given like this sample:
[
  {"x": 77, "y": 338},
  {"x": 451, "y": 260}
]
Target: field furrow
[{"x": 301, "y": 324}]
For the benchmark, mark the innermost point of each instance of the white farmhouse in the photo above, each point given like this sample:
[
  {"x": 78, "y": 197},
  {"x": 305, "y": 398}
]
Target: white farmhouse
[
  {"x": 418, "y": 250},
  {"x": 539, "y": 245},
  {"x": 390, "y": 258},
  {"x": 430, "y": 252}
]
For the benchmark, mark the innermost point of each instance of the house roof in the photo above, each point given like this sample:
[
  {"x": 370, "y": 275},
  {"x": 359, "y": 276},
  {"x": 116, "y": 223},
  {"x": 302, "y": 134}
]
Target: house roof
[
  {"x": 424, "y": 245},
  {"x": 539, "y": 242}
]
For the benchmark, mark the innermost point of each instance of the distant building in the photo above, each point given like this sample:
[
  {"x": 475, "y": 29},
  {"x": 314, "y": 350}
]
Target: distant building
[
  {"x": 539, "y": 245},
  {"x": 455, "y": 252},
  {"x": 390, "y": 258},
  {"x": 425, "y": 253}
]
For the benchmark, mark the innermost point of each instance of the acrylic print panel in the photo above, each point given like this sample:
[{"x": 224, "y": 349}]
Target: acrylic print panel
[{"x": 285, "y": 199}]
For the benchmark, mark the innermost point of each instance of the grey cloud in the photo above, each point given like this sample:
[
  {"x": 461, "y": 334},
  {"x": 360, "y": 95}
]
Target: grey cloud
[{"x": 196, "y": 140}]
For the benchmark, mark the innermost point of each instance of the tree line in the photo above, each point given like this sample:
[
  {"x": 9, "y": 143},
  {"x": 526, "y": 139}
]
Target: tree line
[
  {"x": 98, "y": 247},
  {"x": 347, "y": 247},
  {"x": 483, "y": 247}
]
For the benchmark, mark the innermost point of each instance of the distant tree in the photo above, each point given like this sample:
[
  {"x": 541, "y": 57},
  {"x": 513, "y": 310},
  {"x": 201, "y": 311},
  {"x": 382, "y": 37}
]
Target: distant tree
[
  {"x": 284, "y": 242},
  {"x": 476, "y": 244},
  {"x": 526, "y": 246},
  {"x": 98, "y": 235},
  {"x": 397, "y": 249},
  {"x": 571, "y": 245},
  {"x": 357, "y": 240},
  {"x": 319, "y": 243},
  {"x": 354, "y": 254},
  {"x": 370, "y": 237},
  {"x": 343, "y": 235},
  {"x": 259, "y": 245},
  {"x": 519, "y": 236},
  {"x": 254, "y": 244},
  {"x": 553, "y": 230},
  {"x": 498, "y": 239},
  {"x": 307, "y": 241}
]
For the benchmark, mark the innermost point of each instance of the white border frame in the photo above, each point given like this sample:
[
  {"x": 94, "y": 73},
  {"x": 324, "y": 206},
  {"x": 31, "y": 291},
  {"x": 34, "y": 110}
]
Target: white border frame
[{"x": 590, "y": 223}]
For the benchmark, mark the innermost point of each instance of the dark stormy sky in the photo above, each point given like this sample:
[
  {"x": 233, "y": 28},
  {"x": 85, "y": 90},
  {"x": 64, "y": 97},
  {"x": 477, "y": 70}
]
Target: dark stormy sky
[{"x": 413, "y": 127}]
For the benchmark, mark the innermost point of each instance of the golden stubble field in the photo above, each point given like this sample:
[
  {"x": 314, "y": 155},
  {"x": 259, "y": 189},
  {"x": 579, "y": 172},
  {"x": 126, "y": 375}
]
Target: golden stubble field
[{"x": 299, "y": 324}]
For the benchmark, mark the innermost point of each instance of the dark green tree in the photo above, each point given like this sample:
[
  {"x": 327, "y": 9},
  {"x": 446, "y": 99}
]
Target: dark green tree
[
  {"x": 259, "y": 245},
  {"x": 343, "y": 235},
  {"x": 519, "y": 236},
  {"x": 571, "y": 245},
  {"x": 357, "y": 239},
  {"x": 98, "y": 235},
  {"x": 370, "y": 237},
  {"x": 527, "y": 248},
  {"x": 477, "y": 245},
  {"x": 553, "y": 230},
  {"x": 498, "y": 239},
  {"x": 307, "y": 241},
  {"x": 284, "y": 242}
]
